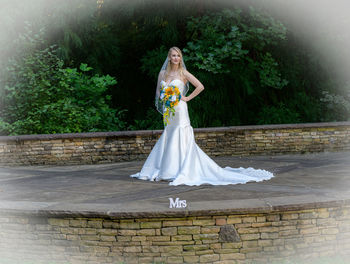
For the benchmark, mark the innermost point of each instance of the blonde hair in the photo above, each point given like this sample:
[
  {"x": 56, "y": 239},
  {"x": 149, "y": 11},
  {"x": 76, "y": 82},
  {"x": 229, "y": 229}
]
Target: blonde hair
[{"x": 168, "y": 67}]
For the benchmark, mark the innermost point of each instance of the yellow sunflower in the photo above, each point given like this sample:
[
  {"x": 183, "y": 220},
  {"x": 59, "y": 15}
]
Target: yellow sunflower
[{"x": 169, "y": 91}]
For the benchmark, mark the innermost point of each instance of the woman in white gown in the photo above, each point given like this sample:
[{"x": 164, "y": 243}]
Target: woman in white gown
[{"x": 176, "y": 157}]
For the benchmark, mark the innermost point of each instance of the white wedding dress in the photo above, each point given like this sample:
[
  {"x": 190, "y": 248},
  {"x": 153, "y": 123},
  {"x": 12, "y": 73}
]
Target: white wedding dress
[{"x": 177, "y": 158}]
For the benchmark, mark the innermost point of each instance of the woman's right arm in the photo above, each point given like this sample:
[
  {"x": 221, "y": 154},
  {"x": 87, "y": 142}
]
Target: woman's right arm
[{"x": 160, "y": 78}]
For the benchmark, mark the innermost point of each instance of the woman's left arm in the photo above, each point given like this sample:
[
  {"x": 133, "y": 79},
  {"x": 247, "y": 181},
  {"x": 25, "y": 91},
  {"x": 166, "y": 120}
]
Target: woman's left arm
[{"x": 196, "y": 83}]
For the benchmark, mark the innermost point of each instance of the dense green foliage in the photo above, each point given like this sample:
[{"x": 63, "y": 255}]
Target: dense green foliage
[
  {"x": 236, "y": 47},
  {"x": 41, "y": 96},
  {"x": 254, "y": 68}
]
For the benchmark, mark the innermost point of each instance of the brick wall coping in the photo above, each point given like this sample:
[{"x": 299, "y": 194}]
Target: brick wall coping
[
  {"x": 155, "y": 132},
  {"x": 124, "y": 214}
]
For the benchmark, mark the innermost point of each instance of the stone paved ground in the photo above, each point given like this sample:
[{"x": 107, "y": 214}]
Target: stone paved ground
[{"x": 107, "y": 188}]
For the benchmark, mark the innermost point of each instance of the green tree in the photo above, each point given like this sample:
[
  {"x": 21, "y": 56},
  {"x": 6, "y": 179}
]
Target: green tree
[
  {"x": 256, "y": 69},
  {"x": 234, "y": 48},
  {"x": 39, "y": 95}
]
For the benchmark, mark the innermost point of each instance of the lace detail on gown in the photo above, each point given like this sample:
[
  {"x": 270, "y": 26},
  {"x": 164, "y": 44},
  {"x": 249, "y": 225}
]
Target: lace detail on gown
[{"x": 177, "y": 158}]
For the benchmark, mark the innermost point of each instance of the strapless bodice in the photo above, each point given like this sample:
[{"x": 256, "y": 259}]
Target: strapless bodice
[{"x": 181, "y": 117}]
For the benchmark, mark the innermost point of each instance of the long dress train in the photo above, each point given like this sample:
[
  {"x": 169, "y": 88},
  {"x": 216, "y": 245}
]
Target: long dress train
[{"x": 178, "y": 159}]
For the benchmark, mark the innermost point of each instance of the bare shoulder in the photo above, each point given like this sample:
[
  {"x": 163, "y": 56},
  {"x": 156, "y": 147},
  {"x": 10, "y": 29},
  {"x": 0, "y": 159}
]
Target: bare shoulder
[
  {"x": 188, "y": 76},
  {"x": 191, "y": 78},
  {"x": 161, "y": 75},
  {"x": 186, "y": 73}
]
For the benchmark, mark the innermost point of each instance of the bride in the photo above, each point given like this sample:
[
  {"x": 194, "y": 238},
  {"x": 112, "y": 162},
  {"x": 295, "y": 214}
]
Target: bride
[{"x": 176, "y": 157}]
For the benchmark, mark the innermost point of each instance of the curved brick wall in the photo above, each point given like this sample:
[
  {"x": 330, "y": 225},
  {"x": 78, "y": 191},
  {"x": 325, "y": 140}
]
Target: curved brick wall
[
  {"x": 247, "y": 236},
  {"x": 105, "y": 147}
]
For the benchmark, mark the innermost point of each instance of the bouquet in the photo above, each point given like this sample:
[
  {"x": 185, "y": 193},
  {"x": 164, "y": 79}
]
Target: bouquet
[{"x": 170, "y": 97}]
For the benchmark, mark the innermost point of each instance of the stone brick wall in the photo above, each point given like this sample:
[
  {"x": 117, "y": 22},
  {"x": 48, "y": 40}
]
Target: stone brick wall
[
  {"x": 105, "y": 147},
  {"x": 232, "y": 237}
]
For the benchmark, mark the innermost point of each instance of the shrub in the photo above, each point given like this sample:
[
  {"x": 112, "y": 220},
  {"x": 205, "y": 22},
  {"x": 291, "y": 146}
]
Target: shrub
[{"x": 39, "y": 95}]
